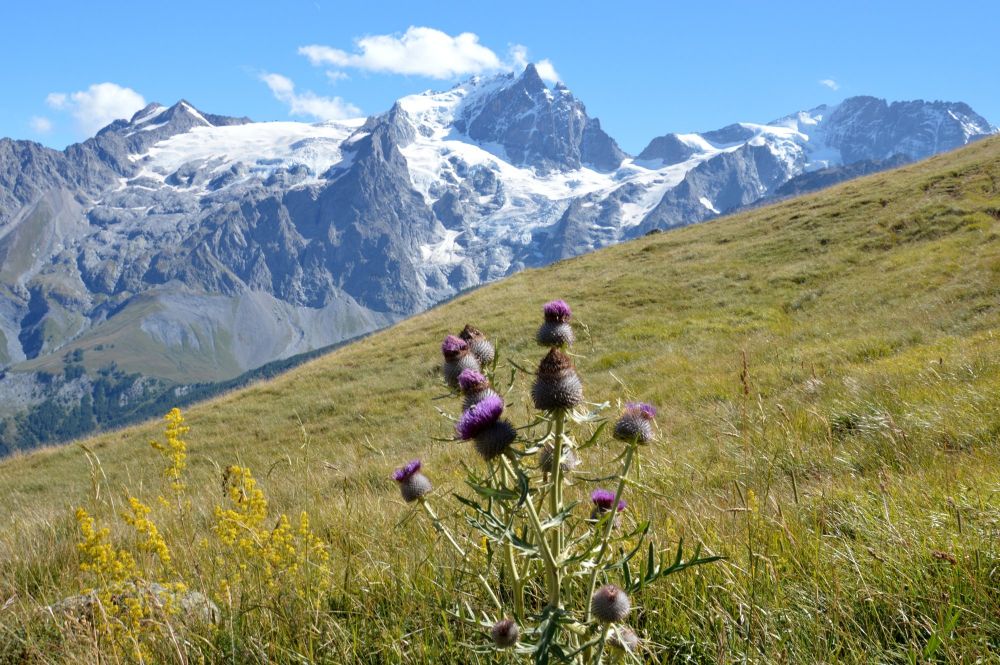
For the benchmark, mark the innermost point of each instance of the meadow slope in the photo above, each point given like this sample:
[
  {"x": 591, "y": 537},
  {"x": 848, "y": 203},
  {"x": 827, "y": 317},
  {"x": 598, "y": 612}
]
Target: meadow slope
[{"x": 828, "y": 376}]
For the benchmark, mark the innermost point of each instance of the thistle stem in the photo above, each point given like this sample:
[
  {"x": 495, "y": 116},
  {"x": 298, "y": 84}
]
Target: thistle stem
[
  {"x": 556, "y": 504},
  {"x": 600, "y": 645},
  {"x": 436, "y": 521},
  {"x": 606, "y": 536},
  {"x": 515, "y": 578},
  {"x": 536, "y": 524}
]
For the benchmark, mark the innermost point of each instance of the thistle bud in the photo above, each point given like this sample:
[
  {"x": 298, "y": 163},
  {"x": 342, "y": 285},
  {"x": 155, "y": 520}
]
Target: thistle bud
[
  {"x": 569, "y": 459},
  {"x": 624, "y": 639},
  {"x": 475, "y": 387},
  {"x": 610, "y": 604},
  {"x": 456, "y": 358},
  {"x": 505, "y": 633},
  {"x": 557, "y": 385},
  {"x": 479, "y": 346},
  {"x": 636, "y": 423},
  {"x": 556, "y": 331},
  {"x": 493, "y": 441},
  {"x": 413, "y": 485}
]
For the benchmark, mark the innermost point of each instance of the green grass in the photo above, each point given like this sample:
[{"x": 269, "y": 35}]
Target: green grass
[{"x": 849, "y": 471}]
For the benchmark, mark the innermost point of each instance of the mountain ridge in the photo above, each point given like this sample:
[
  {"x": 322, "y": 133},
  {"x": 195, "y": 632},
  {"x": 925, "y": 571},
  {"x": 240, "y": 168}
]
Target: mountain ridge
[{"x": 186, "y": 246}]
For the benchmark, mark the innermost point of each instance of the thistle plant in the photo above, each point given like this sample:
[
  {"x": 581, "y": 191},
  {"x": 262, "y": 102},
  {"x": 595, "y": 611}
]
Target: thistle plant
[{"x": 559, "y": 581}]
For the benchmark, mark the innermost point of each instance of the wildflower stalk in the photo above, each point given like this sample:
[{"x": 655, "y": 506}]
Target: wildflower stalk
[
  {"x": 517, "y": 583},
  {"x": 556, "y": 505},
  {"x": 440, "y": 528},
  {"x": 536, "y": 524},
  {"x": 609, "y": 525},
  {"x": 600, "y": 644}
]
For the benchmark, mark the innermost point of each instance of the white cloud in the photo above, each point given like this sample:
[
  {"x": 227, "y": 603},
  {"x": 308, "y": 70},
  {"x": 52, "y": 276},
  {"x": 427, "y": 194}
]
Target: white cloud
[
  {"x": 421, "y": 51},
  {"x": 547, "y": 71},
  {"x": 518, "y": 54},
  {"x": 334, "y": 75},
  {"x": 98, "y": 105},
  {"x": 40, "y": 124},
  {"x": 308, "y": 103},
  {"x": 829, "y": 83},
  {"x": 56, "y": 100}
]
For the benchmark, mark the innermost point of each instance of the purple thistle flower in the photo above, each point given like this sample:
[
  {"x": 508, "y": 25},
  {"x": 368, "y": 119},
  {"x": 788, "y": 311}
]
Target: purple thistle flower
[
  {"x": 413, "y": 485},
  {"x": 557, "y": 311},
  {"x": 470, "y": 380},
  {"x": 404, "y": 472},
  {"x": 556, "y": 331},
  {"x": 479, "y": 417},
  {"x": 647, "y": 411},
  {"x": 610, "y": 604},
  {"x": 636, "y": 423},
  {"x": 603, "y": 500},
  {"x": 452, "y": 346},
  {"x": 456, "y": 359}
]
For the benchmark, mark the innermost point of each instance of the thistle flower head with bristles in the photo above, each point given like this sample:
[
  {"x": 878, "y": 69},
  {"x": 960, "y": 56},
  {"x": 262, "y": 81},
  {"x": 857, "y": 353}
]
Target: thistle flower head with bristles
[
  {"x": 557, "y": 311},
  {"x": 609, "y": 604},
  {"x": 604, "y": 499},
  {"x": 471, "y": 380},
  {"x": 479, "y": 417},
  {"x": 557, "y": 385},
  {"x": 482, "y": 423},
  {"x": 475, "y": 387},
  {"x": 636, "y": 423},
  {"x": 556, "y": 330},
  {"x": 413, "y": 485},
  {"x": 456, "y": 359},
  {"x": 480, "y": 347},
  {"x": 452, "y": 346},
  {"x": 505, "y": 633}
]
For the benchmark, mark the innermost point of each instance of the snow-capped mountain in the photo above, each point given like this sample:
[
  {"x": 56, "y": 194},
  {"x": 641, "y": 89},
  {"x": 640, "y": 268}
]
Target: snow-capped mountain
[{"x": 188, "y": 246}]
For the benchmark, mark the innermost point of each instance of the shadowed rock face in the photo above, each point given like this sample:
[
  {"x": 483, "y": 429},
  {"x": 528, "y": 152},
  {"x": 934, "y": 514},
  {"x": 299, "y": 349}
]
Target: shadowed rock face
[
  {"x": 539, "y": 127},
  {"x": 208, "y": 245}
]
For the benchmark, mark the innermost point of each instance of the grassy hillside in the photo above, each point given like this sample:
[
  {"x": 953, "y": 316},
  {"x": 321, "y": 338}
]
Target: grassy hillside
[{"x": 828, "y": 377}]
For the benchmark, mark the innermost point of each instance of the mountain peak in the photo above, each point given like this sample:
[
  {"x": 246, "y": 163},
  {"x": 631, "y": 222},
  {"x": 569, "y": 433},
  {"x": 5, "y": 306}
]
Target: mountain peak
[{"x": 531, "y": 80}]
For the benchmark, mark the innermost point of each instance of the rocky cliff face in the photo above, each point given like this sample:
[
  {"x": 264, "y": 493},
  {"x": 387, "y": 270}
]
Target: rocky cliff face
[{"x": 185, "y": 246}]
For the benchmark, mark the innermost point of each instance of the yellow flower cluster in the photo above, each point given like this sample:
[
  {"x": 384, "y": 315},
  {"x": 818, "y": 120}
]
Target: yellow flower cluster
[
  {"x": 126, "y": 605},
  {"x": 174, "y": 450},
  {"x": 139, "y": 520},
  {"x": 109, "y": 565},
  {"x": 286, "y": 559}
]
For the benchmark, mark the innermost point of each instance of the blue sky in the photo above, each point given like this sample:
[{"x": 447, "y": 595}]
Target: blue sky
[{"x": 643, "y": 68}]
